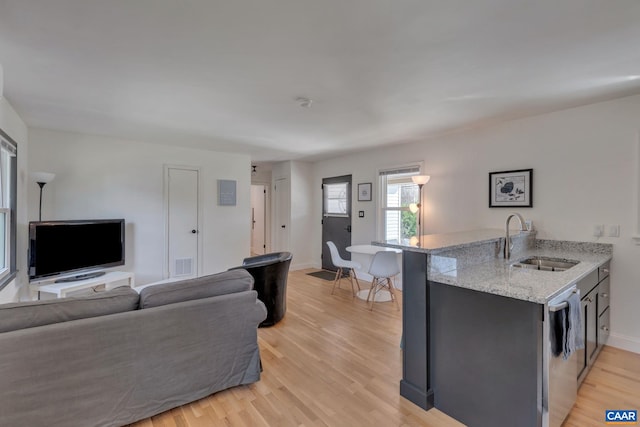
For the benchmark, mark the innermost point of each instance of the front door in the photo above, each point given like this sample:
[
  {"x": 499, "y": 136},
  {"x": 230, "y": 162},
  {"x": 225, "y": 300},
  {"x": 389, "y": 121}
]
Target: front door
[{"x": 336, "y": 217}]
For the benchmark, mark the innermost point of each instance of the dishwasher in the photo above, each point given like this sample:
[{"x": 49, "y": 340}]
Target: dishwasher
[{"x": 560, "y": 374}]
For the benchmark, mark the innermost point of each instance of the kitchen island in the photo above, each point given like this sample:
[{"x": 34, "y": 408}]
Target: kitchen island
[{"x": 475, "y": 327}]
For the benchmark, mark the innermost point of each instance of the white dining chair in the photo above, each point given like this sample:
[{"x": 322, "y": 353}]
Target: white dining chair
[
  {"x": 384, "y": 267},
  {"x": 343, "y": 264}
]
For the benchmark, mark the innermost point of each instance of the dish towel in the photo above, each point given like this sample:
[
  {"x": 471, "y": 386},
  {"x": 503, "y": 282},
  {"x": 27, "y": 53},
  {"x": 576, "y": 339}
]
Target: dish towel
[
  {"x": 557, "y": 331},
  {"x": 573, "y": 336}
]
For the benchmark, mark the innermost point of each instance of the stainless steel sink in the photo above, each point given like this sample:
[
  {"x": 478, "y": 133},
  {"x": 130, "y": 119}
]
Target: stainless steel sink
[{"x": 545, "y": 264}]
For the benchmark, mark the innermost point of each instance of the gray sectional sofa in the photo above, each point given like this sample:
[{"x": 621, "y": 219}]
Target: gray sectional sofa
[{"x": 116, "y": 357}]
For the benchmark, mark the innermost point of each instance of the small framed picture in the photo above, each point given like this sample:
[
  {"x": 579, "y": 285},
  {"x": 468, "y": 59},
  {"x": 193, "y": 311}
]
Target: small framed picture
[
  {"x": 364, "y": 192},
  {"x": 511, "y": 189}
]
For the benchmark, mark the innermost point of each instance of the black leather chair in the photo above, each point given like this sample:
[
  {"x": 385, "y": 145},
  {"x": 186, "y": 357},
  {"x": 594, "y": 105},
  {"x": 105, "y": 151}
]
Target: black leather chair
[{"x": 270, "y": 272}]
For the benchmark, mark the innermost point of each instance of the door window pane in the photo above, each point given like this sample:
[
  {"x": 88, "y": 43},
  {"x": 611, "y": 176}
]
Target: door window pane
[{"x": 335, "y": 199}]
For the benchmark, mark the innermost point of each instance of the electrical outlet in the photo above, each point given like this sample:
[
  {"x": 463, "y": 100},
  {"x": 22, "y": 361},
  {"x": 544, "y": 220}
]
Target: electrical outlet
[
  {"x": 598, "y": 230},
  {"x": 614, "y": 231}
]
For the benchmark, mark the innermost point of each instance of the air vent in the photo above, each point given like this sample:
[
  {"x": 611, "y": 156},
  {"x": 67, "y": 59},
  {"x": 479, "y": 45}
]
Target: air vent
[{"x": 183, "y": 267}]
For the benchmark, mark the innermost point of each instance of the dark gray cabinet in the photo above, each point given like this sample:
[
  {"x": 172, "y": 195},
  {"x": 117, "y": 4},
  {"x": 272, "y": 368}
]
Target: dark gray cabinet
[{"x": 595, "y": 295}]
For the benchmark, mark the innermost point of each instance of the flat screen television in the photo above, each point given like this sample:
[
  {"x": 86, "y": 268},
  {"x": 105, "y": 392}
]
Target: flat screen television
[{"x": 60, "y": 247}]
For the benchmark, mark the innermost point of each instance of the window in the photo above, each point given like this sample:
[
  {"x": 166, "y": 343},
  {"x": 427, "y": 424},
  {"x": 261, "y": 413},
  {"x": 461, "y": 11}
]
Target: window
[
  {"x": 398, "y": 223},
  {"x": 8, "y": 180},
  {"x": 335, "y": 199}
]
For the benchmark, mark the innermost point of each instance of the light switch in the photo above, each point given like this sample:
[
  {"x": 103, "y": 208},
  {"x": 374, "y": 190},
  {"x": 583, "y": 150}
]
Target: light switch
[
  {"x": 614, "y": 231},
  {"x": 598, "y": 230},
  {"x": 360, "y": 214}
]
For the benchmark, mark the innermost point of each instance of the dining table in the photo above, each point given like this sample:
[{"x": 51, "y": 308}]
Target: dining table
[{"x": 363, "y": 254}]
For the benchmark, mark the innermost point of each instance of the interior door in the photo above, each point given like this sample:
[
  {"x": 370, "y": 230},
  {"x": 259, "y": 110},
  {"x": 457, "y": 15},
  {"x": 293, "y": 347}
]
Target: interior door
[
  {"x": 336, "y": 217},
  {"x": 258, "y": 211},
  {"x": 281, "y": 198},
  {"x": 182, "y": 221}
]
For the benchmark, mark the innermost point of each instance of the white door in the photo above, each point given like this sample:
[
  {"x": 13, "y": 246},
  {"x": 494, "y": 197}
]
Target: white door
[
  {"x": 182, "y": 221},
  {"x": 281, "y": 215},
  {"x": 258, "y": 217}
]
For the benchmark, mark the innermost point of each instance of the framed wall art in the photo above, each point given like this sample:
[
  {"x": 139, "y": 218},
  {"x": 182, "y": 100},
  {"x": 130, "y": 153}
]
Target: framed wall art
[
  {"x": 364, "y": 192},
  {"x": 511, "y": 189}
]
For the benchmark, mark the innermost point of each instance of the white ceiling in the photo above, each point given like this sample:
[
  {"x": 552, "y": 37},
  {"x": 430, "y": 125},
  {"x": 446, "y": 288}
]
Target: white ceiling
[{"x": 225, "y": 74}]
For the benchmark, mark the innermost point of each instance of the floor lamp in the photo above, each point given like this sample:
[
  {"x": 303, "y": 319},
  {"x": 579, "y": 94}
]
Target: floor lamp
[
  {"x": 420, "y": 180},
  {"x": 42, "y": 178}
]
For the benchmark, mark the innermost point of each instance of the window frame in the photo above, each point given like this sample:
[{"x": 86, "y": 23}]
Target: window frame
[
  {"x": 408, "y": 169},
  {"x": 8, "y": 191}
]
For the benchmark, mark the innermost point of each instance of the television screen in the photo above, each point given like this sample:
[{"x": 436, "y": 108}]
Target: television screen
[{"x": 58, "y": 247}]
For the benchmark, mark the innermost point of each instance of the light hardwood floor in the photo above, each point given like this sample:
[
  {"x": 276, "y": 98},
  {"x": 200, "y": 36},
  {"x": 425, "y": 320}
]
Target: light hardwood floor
[{"x": 333, "y": 362}]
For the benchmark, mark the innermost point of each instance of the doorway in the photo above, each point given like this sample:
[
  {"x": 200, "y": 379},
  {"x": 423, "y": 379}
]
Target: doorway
[
  {"x": 258, "y": 219},
  {"x": 182, "y": 221},
  {"x": 336, "y": 217}
]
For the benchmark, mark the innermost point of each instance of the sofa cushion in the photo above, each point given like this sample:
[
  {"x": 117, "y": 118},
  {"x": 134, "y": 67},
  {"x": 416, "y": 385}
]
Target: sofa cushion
[
  {"x": 22, "y": 315},
  {"x": 212, "y": 285}
]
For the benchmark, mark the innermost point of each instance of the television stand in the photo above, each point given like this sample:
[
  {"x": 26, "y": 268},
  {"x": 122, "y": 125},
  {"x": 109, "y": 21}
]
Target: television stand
[
  {"x": 81, "y": 277},
  {"x": 108, "y": 280}
]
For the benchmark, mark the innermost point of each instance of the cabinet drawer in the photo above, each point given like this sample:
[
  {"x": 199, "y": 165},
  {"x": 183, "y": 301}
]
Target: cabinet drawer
[
  {"x": 587, "y": 283},
  {"x": 603, "y": 295},
  {"x": 603, "y": 271},
  {"x": 603, "y": 328}
]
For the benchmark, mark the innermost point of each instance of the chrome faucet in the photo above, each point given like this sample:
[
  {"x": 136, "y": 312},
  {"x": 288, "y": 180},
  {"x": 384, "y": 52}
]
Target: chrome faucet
[{"x": 508, "y": 246}]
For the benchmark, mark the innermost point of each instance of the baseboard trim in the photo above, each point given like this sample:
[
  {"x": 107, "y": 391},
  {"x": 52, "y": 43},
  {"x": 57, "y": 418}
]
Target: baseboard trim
[
  {"x": 301, "y": 266},
  {"x": 624, "y": 342}
]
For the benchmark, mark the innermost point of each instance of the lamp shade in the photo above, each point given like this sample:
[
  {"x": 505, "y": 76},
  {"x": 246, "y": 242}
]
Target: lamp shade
[
  {"x": 43, "y": 177},
  {"x": 420, "y": 179}
]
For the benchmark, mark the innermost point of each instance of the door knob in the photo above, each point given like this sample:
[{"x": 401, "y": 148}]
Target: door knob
[
  {"x": 348, "y": 228},
  {"x": 194, "y": 231},
  {"x": 283, "y": 226}
]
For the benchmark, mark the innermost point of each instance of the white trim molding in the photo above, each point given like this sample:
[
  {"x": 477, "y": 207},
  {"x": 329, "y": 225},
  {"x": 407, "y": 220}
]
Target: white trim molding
[
  {"x": 624, "y": 342},
  {"x": 636, "y": 235}
]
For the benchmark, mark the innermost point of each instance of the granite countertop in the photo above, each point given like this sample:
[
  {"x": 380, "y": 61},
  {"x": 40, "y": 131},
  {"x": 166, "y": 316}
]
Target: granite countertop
[
  {"x": 433, "y": 243},
  {"x": 501, "y": 278},
  {"x": 468, "y": 259}
]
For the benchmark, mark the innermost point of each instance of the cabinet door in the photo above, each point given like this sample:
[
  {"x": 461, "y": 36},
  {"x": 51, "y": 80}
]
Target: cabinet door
[
  {"x": 603, "y": 328},
  {"x": 591, "y": 321},
  {"x": 603, "y": 295},
  {"x": 582, "y": 353}
]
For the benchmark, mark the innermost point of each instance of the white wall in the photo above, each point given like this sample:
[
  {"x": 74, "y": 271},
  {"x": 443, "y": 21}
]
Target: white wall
[
  {"x": 13, "y": 126},
  {"x": 98, "y": 177},
  {"x": 584, "y": 162}
]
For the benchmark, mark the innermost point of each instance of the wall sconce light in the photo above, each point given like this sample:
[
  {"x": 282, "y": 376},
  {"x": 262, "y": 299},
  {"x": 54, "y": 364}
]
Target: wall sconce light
[
  {"x": 420, "y": 180},
  {"x": 42, "y": 178}
]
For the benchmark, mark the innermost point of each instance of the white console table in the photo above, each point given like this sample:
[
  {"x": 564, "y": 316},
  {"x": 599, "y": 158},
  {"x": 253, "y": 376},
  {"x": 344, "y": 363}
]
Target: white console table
[{"x": 110, "y": 280}]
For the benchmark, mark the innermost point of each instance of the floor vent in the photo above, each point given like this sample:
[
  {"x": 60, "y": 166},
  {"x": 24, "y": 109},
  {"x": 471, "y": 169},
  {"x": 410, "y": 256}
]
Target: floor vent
[{"x": 183, "y": 267}]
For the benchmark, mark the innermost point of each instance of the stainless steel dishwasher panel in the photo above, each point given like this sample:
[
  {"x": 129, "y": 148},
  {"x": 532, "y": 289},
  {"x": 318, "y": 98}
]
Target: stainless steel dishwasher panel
[{"x": 563, "y": 373}]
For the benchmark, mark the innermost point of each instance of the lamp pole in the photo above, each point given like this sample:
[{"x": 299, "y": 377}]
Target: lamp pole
[
  {"x": 41, "y": 184},
  {"x": 41, "y": 178},
  {"x": 420, "y": 180}
]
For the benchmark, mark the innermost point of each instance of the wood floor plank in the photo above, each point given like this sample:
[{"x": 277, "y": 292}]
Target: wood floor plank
[{"x": 333, "y": 362}]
